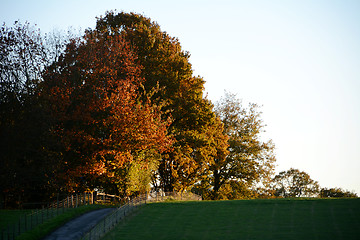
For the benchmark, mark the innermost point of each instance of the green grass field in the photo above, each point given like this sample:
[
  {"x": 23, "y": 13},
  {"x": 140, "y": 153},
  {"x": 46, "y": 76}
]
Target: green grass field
[{"x": 244, "y": 219}]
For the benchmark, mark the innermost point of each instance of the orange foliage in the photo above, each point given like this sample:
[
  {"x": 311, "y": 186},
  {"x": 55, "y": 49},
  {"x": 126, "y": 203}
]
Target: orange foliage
[{"x": 93, "y": 94}]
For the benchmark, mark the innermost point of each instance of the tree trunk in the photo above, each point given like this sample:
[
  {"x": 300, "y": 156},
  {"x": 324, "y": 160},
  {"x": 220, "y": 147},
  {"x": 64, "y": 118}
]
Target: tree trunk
[{"x": 216, "y": 184}]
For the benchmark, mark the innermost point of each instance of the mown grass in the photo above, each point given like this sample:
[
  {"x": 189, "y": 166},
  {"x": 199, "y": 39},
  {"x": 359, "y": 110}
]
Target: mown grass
[
  {"x": 244, "y": 219},
  {"x": 42, "y": 230}
]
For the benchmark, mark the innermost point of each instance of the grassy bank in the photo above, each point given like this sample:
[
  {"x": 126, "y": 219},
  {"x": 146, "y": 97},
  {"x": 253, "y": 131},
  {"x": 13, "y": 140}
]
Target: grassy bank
[
  {"x": 47, "y": 227},
  {"x": 10, "y": 217},
  {"x": 245, "y": 219}
]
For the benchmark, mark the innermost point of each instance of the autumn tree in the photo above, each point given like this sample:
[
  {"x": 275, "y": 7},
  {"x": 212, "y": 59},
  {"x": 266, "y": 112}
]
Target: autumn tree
[
  {"x": 336, "y": 193},
  {"x": 104, "y": 128},
  {"x": 250, "y": 161},
  {"x": 166, "y": 67},
  {"x": 294, "y": 183}
]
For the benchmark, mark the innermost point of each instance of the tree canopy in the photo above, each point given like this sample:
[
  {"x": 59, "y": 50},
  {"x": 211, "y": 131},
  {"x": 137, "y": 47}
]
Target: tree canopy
[
  {"x": 92, "y": 94},
  {"x": 336, "y": 193},
  {"x": 294, "y": 183},
  {"x": 249, "y": 161},
  {"x": 119, "y": 109},
  {"x": 166, "y": 66}
]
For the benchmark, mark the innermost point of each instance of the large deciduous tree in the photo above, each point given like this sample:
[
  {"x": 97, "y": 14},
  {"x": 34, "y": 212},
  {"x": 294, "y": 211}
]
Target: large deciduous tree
[
  {"x": 294, "y": 183},
  {"x": 198, "y": 134},
  {"x": 103, "y": 125},
  {"x": 250, "y": 161}
]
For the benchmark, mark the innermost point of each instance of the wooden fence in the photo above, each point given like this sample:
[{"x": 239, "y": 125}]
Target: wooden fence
[
  {"x": 50, "y": 210},
  {"x": 103, "y": 198},
  {"x": 36, "y": 217},
  {"x": 168, "y": 196}
]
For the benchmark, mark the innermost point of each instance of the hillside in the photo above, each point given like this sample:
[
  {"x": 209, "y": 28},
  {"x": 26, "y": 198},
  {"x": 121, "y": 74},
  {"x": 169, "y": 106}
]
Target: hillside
[{"x": 245, "y": 219}]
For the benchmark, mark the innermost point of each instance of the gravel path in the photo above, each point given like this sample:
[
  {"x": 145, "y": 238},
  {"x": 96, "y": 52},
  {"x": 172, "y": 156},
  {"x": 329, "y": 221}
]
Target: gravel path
[{"x": 76, "y": 228}]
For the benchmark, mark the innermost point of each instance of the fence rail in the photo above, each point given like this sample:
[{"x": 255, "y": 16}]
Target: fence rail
[
  {"x": 103, "y": 198},
  {"x": 109, "y": 222},
  {"x": 179, "y": 196}
]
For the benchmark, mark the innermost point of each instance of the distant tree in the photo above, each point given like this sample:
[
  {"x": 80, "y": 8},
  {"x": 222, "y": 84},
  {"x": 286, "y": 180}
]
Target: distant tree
[
  {"x": 294, "y": 183},
  {"x": 195, "y": 128},
  {"x": 23, "y": 58},
  {"x": 336, "y": 193},
  {"x": 249, "y": 161}
]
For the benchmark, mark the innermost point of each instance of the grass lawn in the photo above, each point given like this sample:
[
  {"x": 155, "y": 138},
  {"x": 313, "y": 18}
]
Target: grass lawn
[
  {"x": 47, "y": 227},
  {"x": 10, "y": 216},
  {"x": 244, "y": 219}
]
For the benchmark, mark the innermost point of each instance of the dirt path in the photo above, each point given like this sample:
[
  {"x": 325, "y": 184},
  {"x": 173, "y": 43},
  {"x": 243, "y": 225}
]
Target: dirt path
[{"x": 76, "y": 228}]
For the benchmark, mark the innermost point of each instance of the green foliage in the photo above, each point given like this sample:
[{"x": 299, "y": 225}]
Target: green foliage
[{"x": 139, "y": 176}]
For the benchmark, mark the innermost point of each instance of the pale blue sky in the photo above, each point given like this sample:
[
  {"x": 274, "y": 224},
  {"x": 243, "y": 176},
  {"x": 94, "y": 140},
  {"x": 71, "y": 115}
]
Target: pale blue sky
[{"x": 299, "y": 59}]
